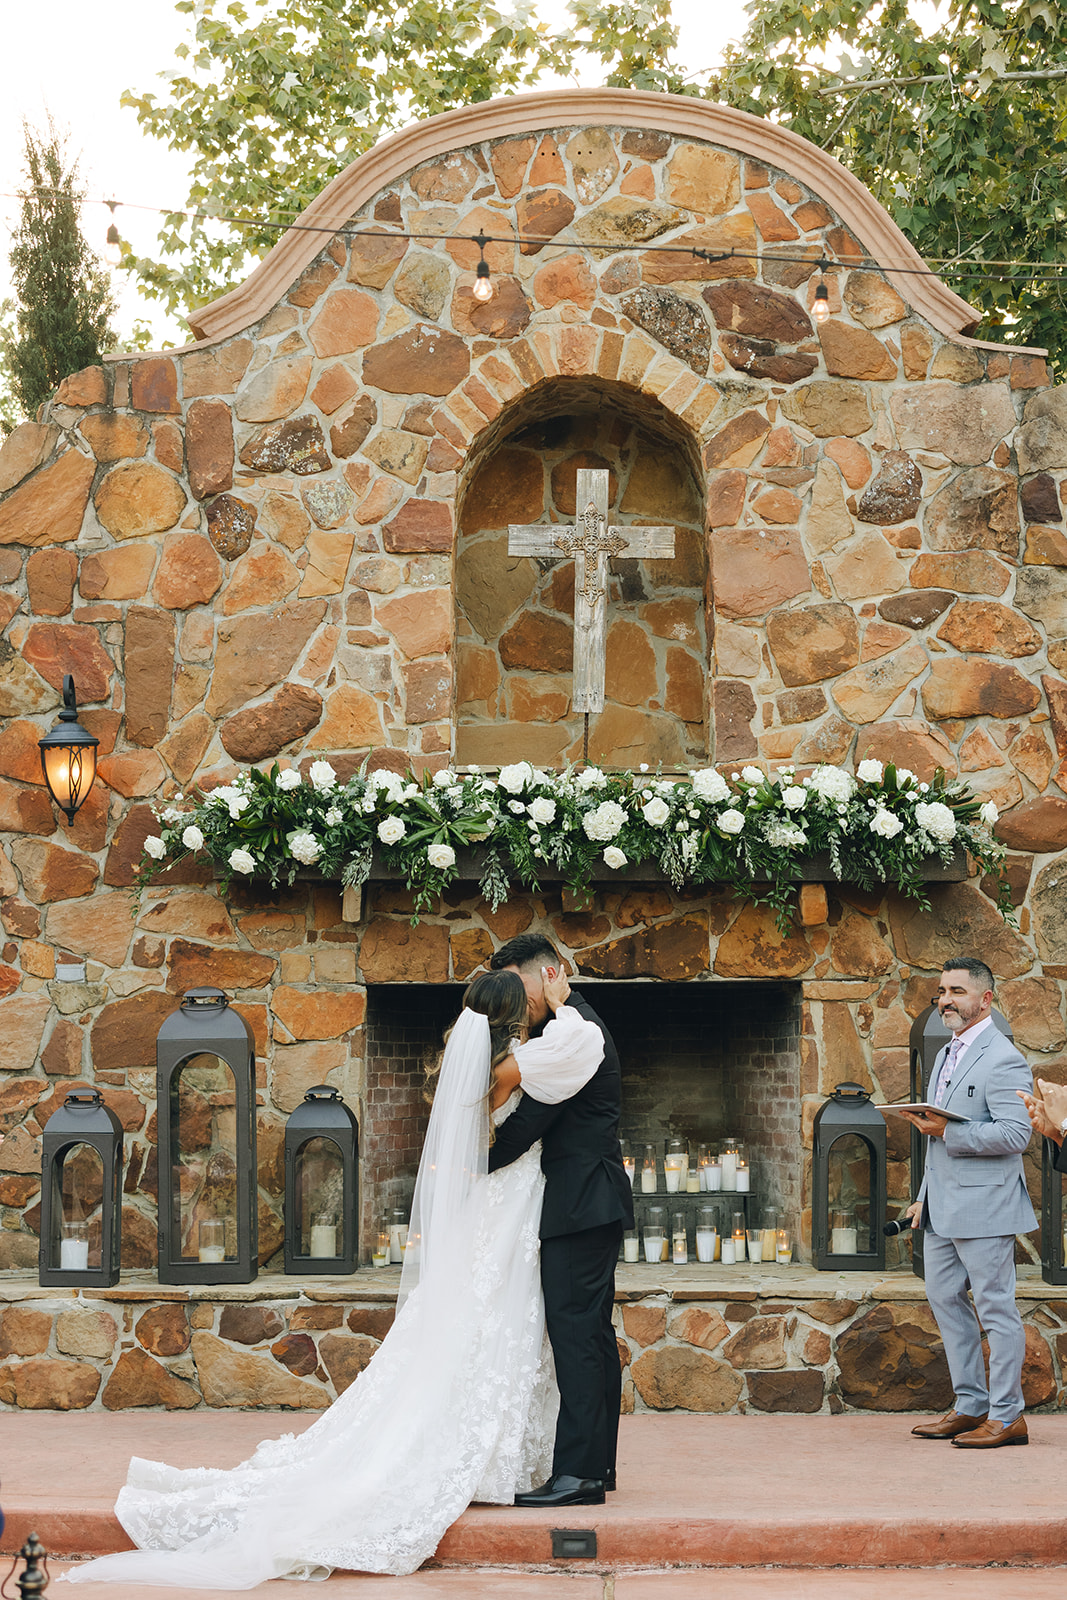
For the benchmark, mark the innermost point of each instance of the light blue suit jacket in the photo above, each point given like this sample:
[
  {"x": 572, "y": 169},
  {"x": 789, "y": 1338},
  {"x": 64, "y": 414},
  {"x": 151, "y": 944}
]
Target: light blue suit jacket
[{"x": 973, "y": 1186}]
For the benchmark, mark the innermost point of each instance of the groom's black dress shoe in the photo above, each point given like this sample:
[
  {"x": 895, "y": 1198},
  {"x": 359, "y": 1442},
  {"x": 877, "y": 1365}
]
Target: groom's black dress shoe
[
  {"x": 609, "y": 1481},
  {"x": 563, "y": 1490}
]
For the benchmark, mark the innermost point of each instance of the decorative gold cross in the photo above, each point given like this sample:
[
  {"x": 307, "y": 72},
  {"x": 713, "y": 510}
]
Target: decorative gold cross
[{"x": 589, "y": 545}]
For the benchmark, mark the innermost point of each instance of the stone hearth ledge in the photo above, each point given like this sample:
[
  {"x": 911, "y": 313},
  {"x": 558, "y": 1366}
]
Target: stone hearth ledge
[{"x": 672, "y": 1285}]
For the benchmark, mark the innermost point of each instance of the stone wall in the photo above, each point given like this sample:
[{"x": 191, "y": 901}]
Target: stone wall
[
  {"x": 247, "y": 549},
  {"x": 688, "y": 1341}
]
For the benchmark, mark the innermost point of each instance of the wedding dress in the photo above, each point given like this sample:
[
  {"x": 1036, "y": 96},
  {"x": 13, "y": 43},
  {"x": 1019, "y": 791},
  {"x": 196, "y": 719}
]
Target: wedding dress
[{"x": 457, "y": 1405}]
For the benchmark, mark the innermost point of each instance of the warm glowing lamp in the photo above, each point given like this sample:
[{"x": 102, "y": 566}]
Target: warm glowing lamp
[{"x": 68, "y": 756}]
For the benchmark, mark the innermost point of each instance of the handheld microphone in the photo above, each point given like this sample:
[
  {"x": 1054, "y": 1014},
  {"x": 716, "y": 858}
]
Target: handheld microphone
[{"x": 902, "y": 1225}]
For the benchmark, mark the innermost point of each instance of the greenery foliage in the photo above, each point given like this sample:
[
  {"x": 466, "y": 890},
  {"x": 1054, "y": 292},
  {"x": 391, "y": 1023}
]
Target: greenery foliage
[
  {"x": 63, "y": 293},
  {"x": 746, "y": 829}
]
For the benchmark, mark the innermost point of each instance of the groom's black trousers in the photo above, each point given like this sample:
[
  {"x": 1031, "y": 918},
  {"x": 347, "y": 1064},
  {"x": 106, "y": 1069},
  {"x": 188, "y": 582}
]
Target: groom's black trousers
[{"x": 578, "y": 1279}]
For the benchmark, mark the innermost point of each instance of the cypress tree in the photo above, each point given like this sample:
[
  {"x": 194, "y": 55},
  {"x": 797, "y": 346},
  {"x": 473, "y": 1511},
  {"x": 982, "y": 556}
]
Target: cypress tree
[{"x": 64, "y": 298}]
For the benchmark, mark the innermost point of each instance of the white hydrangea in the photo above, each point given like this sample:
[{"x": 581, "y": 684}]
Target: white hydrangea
[
  {"x": 794, "y": 797},
  {"x": 172, "y": 814},
  {"x": 542, "y": 809},
  {"x": 989, "y": 813},
  {"x": 221, "y": 796},
  {"x": 751, "y": 775},
  {"x": 589, "y": 778},
  {"x": 515, "y": 778},
  {"x": 333, "y": 817},
  {"x": 937, "y": 820},
  {"x": 605, "y": 822},
  {"x": 441, "y": 855},
  {"x": 289, "y": 779},
  {"x": 710, "y": 785},
  {"x": 392, "y": 830},
  {"x": 305, "y": 847},
  {"x": 192, "y": 838},
  {"x": 242, "y": 861},
  {"x": 870, "y": 771},
  {"x": 832, "y": 783},
  {"x": 885, "y": 824},
  {"x": 784, "y": 835},
  {"x": 155, "y": 847},
  {"x": 614, "y": 857},
  {"x": 656, "y": 812},
  {"x": 323, "y": 777},
  {"x": 731, "y": 821},
  {"x": 386, "y": 782}
]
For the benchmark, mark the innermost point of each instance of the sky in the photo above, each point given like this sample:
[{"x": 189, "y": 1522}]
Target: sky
[{"x": 75, "y": 65}]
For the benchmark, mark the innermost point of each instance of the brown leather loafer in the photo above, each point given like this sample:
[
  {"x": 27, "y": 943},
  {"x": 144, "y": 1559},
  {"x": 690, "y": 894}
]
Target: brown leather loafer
[
  {"x": 947, "y": 1427},
  {"x": 991, "y": 1435}
]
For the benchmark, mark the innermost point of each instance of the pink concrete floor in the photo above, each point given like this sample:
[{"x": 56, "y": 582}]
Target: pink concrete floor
[{"x": 715, "y": 1492}]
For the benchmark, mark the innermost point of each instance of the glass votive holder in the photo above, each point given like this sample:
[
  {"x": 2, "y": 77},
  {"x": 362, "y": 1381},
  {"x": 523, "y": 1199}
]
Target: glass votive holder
[
  {"x": 842, "y": 1233},
  {"x": 648, "y": 1170},
  {"x": 783, "y": 1247},
  {"x": 755, "y": 1244},
  {"x": 631, "y": 1245},
  {"x": 679, "y": 1244},
  {"x": 674, "y": 1164},
  {"x": 629, "y": 1161},
  {"x": 727, "y": 1250},
  {"x": 655, "y": 1240},
  {"x": 324, "y": 1235},
  {"x": 380, "y": 1253},
  {"x": 211, "y": 1240},
  {"x": 769, "y": 1224},
  {"x": 74, "y": 1247},
  {"x": 706, "y": 1233}
]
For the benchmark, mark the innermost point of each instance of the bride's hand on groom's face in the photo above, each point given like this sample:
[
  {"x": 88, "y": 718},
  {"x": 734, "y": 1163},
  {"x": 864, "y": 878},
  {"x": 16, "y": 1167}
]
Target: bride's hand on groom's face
[{"x": 557, "y": 987}]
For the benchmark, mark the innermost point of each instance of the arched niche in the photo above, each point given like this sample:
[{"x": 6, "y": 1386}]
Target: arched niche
[{"x": 515, "y": 616}]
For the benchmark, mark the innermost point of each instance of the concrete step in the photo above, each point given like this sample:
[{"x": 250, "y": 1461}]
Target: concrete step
[{"x": 695, "y": 1492}]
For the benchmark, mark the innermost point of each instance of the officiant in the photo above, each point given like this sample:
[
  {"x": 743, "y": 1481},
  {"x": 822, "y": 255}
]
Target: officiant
[{"x": 971, "y": 1204}]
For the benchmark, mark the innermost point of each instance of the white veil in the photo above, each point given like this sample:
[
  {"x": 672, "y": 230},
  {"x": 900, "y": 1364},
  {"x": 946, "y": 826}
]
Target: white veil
[{"x": 454, "y": 1155}]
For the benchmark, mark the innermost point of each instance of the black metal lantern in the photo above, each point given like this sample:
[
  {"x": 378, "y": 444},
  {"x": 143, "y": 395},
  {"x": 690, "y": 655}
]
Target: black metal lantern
[
  {"x": 1053, "y": 1243},
  {"x": 321, "y": 1185},
  {"x": 81, "y": 1194},
  {"x": 206, "y": 1111},
  {"x": 849, "y": 1183},
  {"x": 68, "y": 756},
  {"x": 927, "y": 1039}
]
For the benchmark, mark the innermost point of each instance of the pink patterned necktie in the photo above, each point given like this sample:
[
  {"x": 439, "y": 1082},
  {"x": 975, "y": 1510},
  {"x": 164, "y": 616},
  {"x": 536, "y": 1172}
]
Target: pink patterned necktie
[{"x": 948, "y": 1069}]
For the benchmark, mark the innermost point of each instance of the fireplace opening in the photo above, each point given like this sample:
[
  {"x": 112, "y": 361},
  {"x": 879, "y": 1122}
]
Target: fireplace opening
[{"x": 700, "y": 1062}]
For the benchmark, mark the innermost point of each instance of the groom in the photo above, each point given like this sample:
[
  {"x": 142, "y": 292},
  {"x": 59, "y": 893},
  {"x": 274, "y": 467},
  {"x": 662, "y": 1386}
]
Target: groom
[{"x": 588, "y": 1201}]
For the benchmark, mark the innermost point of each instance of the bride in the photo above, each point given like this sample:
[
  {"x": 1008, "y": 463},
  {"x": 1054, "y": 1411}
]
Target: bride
[{"x": 459, "y": 1402}]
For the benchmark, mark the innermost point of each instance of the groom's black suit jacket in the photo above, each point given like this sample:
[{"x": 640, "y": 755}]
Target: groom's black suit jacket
[{"x": 585, "y": 1181}]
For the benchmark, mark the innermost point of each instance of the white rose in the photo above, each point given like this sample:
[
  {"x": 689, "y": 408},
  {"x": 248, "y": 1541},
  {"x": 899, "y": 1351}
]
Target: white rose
[
  {"x": 155, "y": 847},
  {"x": 241, "y": 861},
  {"x": 590, "y": 778},
  {"x": 885, "y": 824},
  {"x": 731, "y": 821},
  {"x": 441, "y": 855},
  {"x": 323, "y": 777},
  {"x": 989, "y": 813},
  {"x": 289, "y": 779},
  {"x": 305, "y": 847},
  {"x": 192, "y": 838},
  {"x": 614, "y": 857},
  {"x": 869, "y": 771},
  {"x": 605, "y": 822},
  {"x": 905, "y": 775},
  {"x": 751, "y": 775},
  {"x": 937, "y": 820},
  {"x": 333, "y": 817},
  {"x": 794, "y": 797},
  {"x": 656, "y": 812},
  {"x": 443, "y": 779},
  {"x": 515, "y": 778},
  {"x": 710, "y": 785},
  {"x": 392, "y": 830},
  {"x": 542, "y": 809},
  {"x": 517, "y": 808}
]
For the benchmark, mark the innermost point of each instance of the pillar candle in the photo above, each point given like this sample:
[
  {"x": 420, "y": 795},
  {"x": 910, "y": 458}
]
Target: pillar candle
[{"x": 73, "y": 1255}]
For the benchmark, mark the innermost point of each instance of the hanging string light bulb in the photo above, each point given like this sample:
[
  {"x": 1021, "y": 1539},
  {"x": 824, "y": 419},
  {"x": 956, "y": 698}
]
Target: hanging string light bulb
[
  {"x": 483, "y": 284},
  {"x": 820, "y": 309},
  {"x": 113, "y": 244}
]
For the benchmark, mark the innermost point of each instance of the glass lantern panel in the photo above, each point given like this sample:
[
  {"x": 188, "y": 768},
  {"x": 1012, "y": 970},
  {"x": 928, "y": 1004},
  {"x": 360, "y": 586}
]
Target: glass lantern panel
[
  {"x": 80, "y": 1181},
  {"x": 319, "y": 1182},
  {"x": 203, "y": 1154},
  {"x": 1059, "y": 1243},
  {"x": 849, "y": 1165}
]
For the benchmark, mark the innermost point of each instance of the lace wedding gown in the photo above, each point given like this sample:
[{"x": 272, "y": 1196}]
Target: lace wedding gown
[{"x": 457, "y": 1405}]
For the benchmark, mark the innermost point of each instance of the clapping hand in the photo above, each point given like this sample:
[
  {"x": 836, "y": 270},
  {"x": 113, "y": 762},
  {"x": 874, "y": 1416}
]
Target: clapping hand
[
  {"x": 1046, "y": 1108},
  {"x": 557, "y": 988}
]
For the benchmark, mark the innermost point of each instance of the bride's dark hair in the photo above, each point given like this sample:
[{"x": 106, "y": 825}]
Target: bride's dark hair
[{"x": 501, "y": 998}]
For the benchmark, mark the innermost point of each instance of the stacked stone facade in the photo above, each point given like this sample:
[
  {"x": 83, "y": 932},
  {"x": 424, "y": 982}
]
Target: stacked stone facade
[{"x": 288, "y": 539}]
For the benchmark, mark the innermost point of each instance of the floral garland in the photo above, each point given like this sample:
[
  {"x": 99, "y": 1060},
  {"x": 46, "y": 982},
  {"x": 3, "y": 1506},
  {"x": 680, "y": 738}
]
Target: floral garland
[{"x": 749, "y": 829}]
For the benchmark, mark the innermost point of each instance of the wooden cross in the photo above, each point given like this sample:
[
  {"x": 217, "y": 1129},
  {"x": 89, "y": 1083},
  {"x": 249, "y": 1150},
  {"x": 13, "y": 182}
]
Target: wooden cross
[{"x": 589, "y": 544}]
